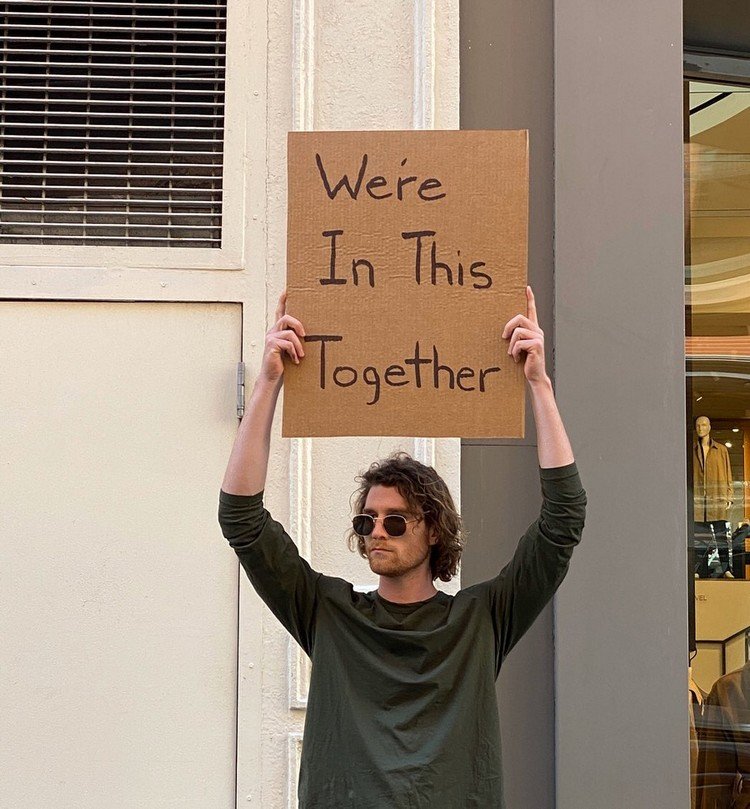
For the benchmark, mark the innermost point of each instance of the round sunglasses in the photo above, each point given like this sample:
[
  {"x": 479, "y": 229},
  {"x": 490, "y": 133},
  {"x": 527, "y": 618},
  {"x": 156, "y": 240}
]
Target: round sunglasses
[{"x": 394, "y": 524}]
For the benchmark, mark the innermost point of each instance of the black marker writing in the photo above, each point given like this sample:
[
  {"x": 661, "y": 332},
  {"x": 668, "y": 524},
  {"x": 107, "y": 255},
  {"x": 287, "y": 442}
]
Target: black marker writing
[
  {"x": 357, "y": 264},
  {"x": 323, "y": 339},
  {"x": 397, "y": 375},
  {"x": 379, "y": 181},
  {"x": 418, "y": 235},
  {"x": 441, "y": 271},
  {"x": 344, "y": 181}
]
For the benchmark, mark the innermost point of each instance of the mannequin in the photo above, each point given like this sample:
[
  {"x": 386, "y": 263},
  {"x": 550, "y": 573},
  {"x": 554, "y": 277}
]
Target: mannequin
[
  {"x": 712, "y": 475},
  {"x": 712, "y": 490}
]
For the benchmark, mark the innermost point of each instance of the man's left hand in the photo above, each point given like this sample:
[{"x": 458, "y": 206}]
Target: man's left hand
[{"x": 527, "y": 341}]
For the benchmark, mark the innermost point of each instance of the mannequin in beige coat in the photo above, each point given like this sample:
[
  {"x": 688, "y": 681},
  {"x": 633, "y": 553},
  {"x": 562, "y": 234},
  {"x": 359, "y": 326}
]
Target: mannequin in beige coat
[{"x": 712, "y": 475}]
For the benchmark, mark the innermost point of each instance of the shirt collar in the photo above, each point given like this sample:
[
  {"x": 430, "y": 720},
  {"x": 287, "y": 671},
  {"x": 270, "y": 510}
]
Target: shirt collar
[{"x": 711, "y": 443}]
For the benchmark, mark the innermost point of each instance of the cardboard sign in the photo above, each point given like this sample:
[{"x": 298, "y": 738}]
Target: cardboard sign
[{"x": 406, "y": 256}]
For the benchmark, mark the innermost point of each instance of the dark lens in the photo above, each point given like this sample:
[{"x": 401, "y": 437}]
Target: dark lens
[
  {"x": 363, "y": 525},
  {"x": 395, "y": 525}
]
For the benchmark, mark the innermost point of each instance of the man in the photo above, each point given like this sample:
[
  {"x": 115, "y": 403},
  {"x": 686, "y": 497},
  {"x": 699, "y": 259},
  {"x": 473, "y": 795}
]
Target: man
[{"x": 402, "y": 712}]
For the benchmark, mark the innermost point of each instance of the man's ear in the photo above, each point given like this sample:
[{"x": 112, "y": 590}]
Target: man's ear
[{"x": 433, "y": 537}]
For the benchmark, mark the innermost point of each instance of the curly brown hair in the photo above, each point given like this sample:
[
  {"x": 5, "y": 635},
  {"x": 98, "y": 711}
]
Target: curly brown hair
[{"x": 428, "y": 496}]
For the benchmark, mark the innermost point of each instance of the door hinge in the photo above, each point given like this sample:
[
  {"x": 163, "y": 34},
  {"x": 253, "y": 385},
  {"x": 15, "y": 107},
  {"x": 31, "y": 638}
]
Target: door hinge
[{"x": 240, "y": 389}]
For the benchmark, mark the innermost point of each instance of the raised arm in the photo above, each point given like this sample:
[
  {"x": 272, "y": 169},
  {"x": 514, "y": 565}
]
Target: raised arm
[
  {"x": 527, "y": 346},
  {"x": 281, "y": 577},
  {"x": 522, "y": 588},
  {"x": 248, "y": 463}
]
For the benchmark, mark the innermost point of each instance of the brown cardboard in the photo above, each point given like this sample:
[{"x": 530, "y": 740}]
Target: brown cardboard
[{"x": 471, "y": 190}]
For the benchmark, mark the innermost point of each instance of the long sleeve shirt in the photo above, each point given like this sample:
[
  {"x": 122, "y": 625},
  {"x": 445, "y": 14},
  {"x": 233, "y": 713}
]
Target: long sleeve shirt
[{"x": 402, "y": 711}]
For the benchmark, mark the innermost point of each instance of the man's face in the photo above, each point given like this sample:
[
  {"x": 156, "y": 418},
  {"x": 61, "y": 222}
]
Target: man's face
[
  {"x": 702, "y": 426},
  {"x": 395, "y": 556}
]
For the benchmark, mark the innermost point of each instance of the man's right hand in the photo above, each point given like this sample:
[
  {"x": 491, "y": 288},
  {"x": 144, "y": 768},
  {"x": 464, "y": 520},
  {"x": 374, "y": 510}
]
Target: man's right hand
[{"x": 283, "y": 338}]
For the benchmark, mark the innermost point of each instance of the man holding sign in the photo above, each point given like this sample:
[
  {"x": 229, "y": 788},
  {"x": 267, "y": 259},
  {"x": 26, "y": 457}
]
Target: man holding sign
[{"x": 402, "y": 711}]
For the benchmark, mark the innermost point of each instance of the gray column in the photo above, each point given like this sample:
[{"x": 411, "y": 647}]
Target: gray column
[
  {"x": 507, "y": 83},
  {"x": 621, "y": 618}
]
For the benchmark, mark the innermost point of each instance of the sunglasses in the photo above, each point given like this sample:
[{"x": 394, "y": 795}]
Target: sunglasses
[{"x": 394, "y": 524}]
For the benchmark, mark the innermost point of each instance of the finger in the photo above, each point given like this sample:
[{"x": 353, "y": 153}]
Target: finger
[
  {"x": 525, "y": 334},
  {"x": 524, "y": 345},
  {"x": 287, "y": 336},
  {"x": 523, "y": 322},
  {"x": 531, "y": 305},
  {"x": 522, "y": 334},
  {"x": 287, "y": 347},
  {"x": 292, "y": 337},
  {"x": 287, "y": 322},
  {"x": 281, "y": 306}
]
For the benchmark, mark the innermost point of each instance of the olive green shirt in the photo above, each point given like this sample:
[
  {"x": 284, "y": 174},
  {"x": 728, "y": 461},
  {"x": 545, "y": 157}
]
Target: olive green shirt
[{"x": 402, "y": 712}]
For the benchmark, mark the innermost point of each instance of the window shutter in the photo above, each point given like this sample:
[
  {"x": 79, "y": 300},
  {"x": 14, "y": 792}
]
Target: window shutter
[{"x": 112, "y": 121}]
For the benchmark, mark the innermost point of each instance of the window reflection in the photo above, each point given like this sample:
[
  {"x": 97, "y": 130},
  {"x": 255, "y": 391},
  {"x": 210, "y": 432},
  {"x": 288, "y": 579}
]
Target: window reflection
[{"x": 718, "y": 424}]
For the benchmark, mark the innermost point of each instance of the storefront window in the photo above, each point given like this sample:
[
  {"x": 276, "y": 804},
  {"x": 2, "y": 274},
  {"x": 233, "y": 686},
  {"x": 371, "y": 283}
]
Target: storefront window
[{"x": 718, "y": 425}]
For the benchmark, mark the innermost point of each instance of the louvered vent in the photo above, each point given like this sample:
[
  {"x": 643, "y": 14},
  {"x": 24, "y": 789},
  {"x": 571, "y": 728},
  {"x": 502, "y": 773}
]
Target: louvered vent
[{"x": 112, "y": 122}]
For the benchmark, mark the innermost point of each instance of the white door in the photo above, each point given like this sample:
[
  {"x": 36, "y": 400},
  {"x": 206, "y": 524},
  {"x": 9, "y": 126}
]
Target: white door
[{"x": 118, "y": 594}]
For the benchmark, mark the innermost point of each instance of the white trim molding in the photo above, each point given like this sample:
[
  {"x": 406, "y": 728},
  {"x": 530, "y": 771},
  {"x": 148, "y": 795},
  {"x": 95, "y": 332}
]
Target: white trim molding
[
  {"x": 299, "y": 669},
  {"x": 425, "y": 451},
  {"x": 300, "y": 494},
  {"x": 424, "y": 65},
  {"x": 294, "y": 757},
  {"x": 303, "y": 65}
]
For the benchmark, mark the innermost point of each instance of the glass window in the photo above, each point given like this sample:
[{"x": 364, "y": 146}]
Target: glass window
[{"x": 718, "y": 431}]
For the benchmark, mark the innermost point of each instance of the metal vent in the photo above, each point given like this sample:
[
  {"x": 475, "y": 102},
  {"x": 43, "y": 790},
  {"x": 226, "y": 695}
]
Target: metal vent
[{"x": 111, "y": 122}]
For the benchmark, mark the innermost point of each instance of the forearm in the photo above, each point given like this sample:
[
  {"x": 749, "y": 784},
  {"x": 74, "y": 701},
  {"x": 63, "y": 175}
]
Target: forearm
[
  {"x": 248, "y": 463},
  {"x": 553, "y": 446}
]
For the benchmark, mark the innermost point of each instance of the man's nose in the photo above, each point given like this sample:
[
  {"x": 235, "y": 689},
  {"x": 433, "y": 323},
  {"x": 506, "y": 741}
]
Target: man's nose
[{"x": 378, "y": 530}]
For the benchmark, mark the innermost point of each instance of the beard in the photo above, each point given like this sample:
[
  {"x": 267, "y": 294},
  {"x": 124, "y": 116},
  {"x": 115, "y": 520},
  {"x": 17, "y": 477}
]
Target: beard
[{"x": 394, "y": 564}]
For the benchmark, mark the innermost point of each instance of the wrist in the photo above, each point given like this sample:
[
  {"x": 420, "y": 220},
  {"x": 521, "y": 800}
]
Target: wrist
[
  {"x": 540, "y": 386},
  {"x": 265, "y": 387}
]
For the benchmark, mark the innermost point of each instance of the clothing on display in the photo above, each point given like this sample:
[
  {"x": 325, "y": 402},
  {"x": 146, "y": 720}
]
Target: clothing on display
[
  {"x": 712, "y": 482},
  {"x": 402, "y": 710},
  {"x": 712, "y": 543},
  {"x": 740, "y": 557}
]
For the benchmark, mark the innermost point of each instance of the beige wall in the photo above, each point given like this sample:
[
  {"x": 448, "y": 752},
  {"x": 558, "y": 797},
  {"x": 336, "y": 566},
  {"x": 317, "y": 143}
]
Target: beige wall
[
  {"x": 296, "y": 64},
  {"x": 118, "y": 618},
  {"x": 721, "y": 609}
]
